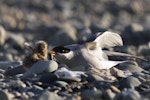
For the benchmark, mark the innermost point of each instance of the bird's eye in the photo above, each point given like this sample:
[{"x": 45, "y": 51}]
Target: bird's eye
[
  {"x": 64, "y": 51},
  {"x": 61, "y": 49}
]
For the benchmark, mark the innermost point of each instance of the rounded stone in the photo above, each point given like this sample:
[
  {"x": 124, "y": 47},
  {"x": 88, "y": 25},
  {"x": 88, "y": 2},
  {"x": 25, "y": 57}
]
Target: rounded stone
[
  {"x": 131, "y": 66},
  {"x": 60, "y": 83},
  {"x": 2, "y": 35},
  {"x": 129, "y": 82},
  {"x": 4, "y": 95},
  {"x": 46, "y": 95},
  {"x": 41, "y": 67}
]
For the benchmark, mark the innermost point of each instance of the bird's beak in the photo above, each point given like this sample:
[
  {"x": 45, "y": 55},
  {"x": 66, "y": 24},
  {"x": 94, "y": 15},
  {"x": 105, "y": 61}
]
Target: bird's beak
[{"x": 53, "y": 53}]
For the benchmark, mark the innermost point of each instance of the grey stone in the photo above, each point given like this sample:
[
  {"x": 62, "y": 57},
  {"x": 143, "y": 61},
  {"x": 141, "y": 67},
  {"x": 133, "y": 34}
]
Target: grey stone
[
  {"x": 60, "y": 83},
  {"x": 6, "y": 64},
  {"x": 2, "y": 35},
  {"x": 130, "y": 94},
  {"x": 67, "y": 32},
  {"x": 70, "y": 79},
  {"x": 94, "y": 77},
  {"x": 4, "y": 95},
  {"x": 36, "y": 89},
  {"x": 41, "y": 67},
  {"x": 16, "y": 41},
  {"x": 46, "y": 95},
  {"x": 145, "y": 52},
  {"x": 48, "y": 78},
  {"x": 131, "y": 66},
  {"x": 17, "y": 70},
  {"x": 108, "y": 95},
  {"x": 129, "y": 82},
  {"x": 1, "y": 76},
  {"x": 92, "y": 94}
]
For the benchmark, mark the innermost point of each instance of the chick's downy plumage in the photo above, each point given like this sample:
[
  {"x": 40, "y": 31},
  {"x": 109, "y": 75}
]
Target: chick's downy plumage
[
  {"x": 38, "y": 52},
  {"x": 90, "y": 54}
]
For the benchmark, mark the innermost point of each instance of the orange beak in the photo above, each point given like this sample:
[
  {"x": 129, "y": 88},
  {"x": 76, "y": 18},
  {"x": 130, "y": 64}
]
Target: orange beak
[{"x": 53, "y": 53}]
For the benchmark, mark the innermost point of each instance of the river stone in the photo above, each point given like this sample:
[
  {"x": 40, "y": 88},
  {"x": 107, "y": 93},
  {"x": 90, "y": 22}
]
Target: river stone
[
  {"x": 48, "y": 78},
  {"x": 131, "y": 66},
  {"x": 129, "y": 82},
  {"x": 2, "y": 35},
  {"x": 17, "y": 70},
  {"x": 4, "y": 95},
  {"x": 41, "y": 67},
  {"x": 60, "y": 83},
  {"x": 46, "y": 95},
  {"x": 92, "y": 94}
]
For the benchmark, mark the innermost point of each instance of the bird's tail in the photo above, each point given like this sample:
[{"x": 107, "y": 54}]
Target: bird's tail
[{"x": 110, "y": 64}]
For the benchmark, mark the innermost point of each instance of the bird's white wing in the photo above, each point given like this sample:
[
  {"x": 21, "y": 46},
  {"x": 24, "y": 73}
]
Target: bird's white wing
[{"x": 108, "y": 39}]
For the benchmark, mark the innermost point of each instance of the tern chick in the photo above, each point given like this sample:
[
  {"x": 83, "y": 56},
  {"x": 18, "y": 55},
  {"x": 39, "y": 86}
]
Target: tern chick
[
  {"x": 90, "y": 54},
  {"x": 38, "y": 52}
]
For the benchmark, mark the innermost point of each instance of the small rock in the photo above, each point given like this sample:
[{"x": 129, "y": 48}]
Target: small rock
[
  {"x": 17, "y": 41},
  {"x": 46, "y": 95},
  {"x": 145, "y": 52},
  {"x": 93, "y": 94},
  {"x": 129, "y": 82},
  {"x": 64, "y": 72},
  {"x": 6, "y": 64},
  {"x": 70, "y": 79},
  {"x": 4, "y": 95},
  {"x": 41, "y": 67},
  {"x": 146, "y": 94},
  {"x": 1, "y": 76},
  {"x": 131, "y": 66},
  {"x": 67, "y": 32},
  {"x": 2, "y": 35},
  {"x": 115, "y": 89},
  {"x": 36, "y": 89},
  {"x": 60, "y": 83},
  {"x": 116, "y": 72},
  {"x": 129, "y": 94},
  {"x": 93, "y": 77},
  {"x": 108, "y": 95},
  {"x": 135, "y": 27},
  {"x": 17, "y": 70},
  {"x": 48, "y": 78}
]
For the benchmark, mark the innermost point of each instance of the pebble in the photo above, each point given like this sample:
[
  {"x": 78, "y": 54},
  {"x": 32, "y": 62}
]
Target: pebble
[
  {"x": 92, "y": 94},
  {"x": 13, "y": 41},
  {"x": 60, "y": 83},
  {"x": 134, "y": 27},
  {"x": 129, "y": 82},
  {"x": 130, "y": 66},
  {"x": 48, "y": 78},
  {"x": 4, "y": 95},
  {"x": 108, "y": 95},
  {"x": 145, "y": 52},
  {"x": 14, "y": 71},
  {"x": 6, "y": 64},
  {"x": 93, "y": 77},
  {"x": 46, "y": 95},
  {"x": 2, "y": 35},
  {"x": 41, "y": 67},
  {"x": 129, "y": 94},
  {"x": 36, "y": 89},
  {"x": 67, "y": 32}
]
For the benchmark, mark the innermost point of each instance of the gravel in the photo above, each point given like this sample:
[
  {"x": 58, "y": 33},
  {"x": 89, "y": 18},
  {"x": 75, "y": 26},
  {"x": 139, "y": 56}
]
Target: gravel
[{"x": 66, "y": 22}]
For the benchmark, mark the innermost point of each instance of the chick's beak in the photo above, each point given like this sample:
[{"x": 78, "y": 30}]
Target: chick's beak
[{"x": 53, "y": 53}]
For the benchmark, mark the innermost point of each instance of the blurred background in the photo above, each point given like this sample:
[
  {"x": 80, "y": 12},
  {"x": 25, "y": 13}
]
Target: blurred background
[{"x": 62, "y": 22}]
